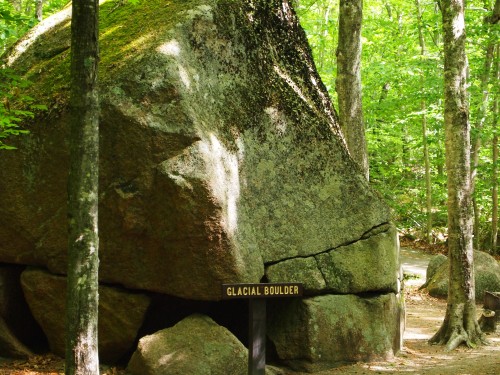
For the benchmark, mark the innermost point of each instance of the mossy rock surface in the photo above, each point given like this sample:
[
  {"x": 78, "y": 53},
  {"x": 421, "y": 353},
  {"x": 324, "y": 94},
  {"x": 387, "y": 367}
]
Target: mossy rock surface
[
  {"x": 322, "y": 332},
  {"x": 196, "y": 346},
  {"x": 486, "y": 276},
  {"x": 220, "y": 149}
]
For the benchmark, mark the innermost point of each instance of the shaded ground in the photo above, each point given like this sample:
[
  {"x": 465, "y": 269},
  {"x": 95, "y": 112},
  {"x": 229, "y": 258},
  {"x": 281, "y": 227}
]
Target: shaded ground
[{"x": 424, "y": 315}]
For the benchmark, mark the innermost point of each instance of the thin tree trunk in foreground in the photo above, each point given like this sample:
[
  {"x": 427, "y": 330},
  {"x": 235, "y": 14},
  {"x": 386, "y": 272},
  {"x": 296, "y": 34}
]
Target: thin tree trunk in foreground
[
  {"x": 83, "y": 262},
  {"x": 460, "y": 324},
  {"x": 349, "y": 81}
]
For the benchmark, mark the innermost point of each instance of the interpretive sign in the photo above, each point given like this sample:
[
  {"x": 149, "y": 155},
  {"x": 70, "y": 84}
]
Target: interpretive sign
[
  {"x": 257, "y": 295},
  {"x": 230, "y": 291}
]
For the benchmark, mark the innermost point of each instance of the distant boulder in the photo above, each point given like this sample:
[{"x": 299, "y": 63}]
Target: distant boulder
[
  {"x": 434, "y": 263},
  {"x": 486, "y": 272}
]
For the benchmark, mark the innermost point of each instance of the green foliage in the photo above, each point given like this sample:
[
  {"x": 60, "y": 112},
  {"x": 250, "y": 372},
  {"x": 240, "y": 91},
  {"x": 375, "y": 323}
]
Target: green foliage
[
  {"x": 396, "y": 79},
  {"x": 15, "y": 106},
  {"x": 13, "y": 24},
  {"x": 11, "y": 86}
]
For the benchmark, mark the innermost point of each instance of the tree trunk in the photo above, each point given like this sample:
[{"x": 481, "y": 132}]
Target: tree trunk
[
  {"x": 494, "y": 146},
  {"x": 481, "y": 118},
  {"x": 83, "y": 261},
  {"x": 428, "y": 191},
  {"x": 349, "y": 80},
  {"x": 39, "y": 10},
  {"x": 460, "y": 324}
]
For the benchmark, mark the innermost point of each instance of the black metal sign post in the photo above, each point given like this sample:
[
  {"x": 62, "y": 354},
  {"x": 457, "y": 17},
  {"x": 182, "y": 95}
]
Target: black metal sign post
[{"x": 257, "y": 294}]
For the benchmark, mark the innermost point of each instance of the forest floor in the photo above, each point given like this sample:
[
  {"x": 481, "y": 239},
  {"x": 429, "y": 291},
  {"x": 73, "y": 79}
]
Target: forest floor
[{"x": 424, "y": 315}]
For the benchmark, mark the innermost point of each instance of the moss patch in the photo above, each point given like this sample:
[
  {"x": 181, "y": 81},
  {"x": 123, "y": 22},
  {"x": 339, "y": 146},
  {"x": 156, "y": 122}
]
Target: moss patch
[{"x": 127, "y": 33}]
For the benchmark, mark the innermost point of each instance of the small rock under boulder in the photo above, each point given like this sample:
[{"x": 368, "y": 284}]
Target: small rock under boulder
[
  {"x": 120, "y": 313},
  {"x": 195, "y": 346},
  {"x": 486, "y": 276}
]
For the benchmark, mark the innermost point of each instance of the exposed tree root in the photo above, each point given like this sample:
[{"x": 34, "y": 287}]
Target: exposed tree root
[{"x": 454, "y": 335}]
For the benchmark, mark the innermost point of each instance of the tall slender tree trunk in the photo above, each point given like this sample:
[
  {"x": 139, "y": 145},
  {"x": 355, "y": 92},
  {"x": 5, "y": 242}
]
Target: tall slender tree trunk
[
  {"x": 349, "y": 81},
  {"x": 423, "y": 107},
  {"x": 83, "y": 262},
  {"x": 494, "y": 146},
  {"x": 460, "y": 324},
  {"x": 481, "y": 119}
]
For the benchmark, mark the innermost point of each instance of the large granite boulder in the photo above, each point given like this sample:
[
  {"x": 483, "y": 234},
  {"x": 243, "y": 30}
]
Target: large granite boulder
[
  {"x": 207, "y": 174},
  {"x": 486, "y": 276},
  {"x": 316, "y": 333},
  {"x": 121, "y": 313},
  {"x": 221, "y": 162},
  {"x": 349, "y": 268},
  {"x": 195, "y": 346}
]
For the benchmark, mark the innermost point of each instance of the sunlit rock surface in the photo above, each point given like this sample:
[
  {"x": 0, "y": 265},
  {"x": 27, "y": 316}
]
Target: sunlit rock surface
[
  {"x": 195, "y": 345},
  {"x": 221, "y": 159},
  {"x": 219, "y": 151}
]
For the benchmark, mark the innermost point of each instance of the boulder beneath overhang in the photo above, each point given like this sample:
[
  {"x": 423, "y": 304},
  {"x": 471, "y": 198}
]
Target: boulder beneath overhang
[
  {"x": 196, "y": 345},
  {"x": 316, "y": 333},
  {"x": 121, "y": 313}
]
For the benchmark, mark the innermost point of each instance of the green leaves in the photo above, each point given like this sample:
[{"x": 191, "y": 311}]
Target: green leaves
[
  {"x": 15, "y": 107},
  {"x": 397, "y": 77}
]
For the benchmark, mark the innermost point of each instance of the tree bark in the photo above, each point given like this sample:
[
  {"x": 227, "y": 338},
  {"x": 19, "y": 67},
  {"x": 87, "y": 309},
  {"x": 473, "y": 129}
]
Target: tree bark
[
  {"x": 349, "y": 81},
  {"x": 423, "y": 106},
  {"x": 481, "y": 119},
  {"x": 460, "y": 324},
  {"x": 494, "y": 146},
  {"x": 39, "y": 10},
  {"x": 83, "y": 261}
]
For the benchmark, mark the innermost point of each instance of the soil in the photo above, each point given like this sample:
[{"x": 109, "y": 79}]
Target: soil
[{"x": 424, "y": 315}]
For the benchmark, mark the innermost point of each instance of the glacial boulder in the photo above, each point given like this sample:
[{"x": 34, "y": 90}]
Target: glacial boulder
[{"x": 220, "y": 151}]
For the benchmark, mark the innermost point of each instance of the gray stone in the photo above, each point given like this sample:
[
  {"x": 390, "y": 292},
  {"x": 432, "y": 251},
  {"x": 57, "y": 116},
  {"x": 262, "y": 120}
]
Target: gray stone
[
  {"x": 486, "y": 276},
  {"x": 321, "y": 332},
  {"x": 121, "y": 313},
  {"x": 195, "y": 346},
  {"x": 368, "y": 265},
  {"x": 220, "y": 151},
  {"x": 434, "y": 263}
]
